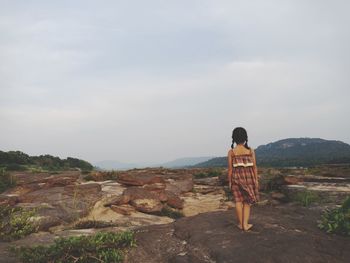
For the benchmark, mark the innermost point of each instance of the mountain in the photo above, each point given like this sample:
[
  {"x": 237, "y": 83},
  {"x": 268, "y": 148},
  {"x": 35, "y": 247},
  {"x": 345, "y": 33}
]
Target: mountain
[
  {"x": 294, "y": 152},
  {"x": 177, "y": 163}
]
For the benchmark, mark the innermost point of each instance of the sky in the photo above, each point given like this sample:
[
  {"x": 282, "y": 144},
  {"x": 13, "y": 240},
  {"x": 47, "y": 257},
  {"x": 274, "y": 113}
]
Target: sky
[{"x": 152, "y": 81}]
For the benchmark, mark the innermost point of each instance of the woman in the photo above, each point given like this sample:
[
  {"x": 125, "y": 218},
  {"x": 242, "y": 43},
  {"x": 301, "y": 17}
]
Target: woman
[{"x": 242, "y": 176}]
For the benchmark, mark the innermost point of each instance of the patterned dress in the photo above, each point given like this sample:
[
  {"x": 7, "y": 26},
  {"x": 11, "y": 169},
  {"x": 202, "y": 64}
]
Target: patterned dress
[{"x": 244, "y": 184}]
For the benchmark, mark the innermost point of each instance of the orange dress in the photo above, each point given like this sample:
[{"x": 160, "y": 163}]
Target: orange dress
[{"x": 244, "y": 184}]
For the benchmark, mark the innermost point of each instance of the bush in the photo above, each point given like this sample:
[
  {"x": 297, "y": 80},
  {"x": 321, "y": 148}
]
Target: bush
[
  {"x": 6, "y": 180},
  {"x": 101, "y": 247},
  {"x": 306, "y": 198},
  {"x": 15, "y": 223},
  {"x": 83, "y": 224},
  {"x": 337, "y": 220},
  {"x": 212, "y": 172},
  {"x": 170, "y": 212}
]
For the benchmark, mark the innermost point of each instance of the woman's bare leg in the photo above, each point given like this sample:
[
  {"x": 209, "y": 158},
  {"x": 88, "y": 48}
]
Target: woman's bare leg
[
  {"x": 239, "y": 212},
  {"x": 246, "y": 214}
]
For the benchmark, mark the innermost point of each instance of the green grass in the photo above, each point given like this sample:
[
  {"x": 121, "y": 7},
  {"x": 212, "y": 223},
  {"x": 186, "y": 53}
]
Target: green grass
[
  {"x": 101, "y": 247},
  {"x": 15, "y": 223},
  {"x": 337, "y": 220},
  {"x": 306, "y": 198}
]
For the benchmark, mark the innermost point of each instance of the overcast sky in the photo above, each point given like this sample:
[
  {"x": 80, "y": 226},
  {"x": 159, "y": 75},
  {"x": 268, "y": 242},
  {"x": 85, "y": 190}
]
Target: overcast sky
[{"x": 151, "y": 81}]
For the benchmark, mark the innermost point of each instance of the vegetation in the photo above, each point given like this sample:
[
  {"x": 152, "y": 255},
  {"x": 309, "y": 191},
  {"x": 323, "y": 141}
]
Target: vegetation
[
  {"x": 84, "y": 224},
  {"x": 15, "y": 223},
  {"x": 6, "y": 180},
  {"x": 337, "y": 220},
  {"x": 212, "y": 172},
  {"x": 306, "y": 198},
  {"x": 101, "y": 247},
  {"x": 270, "y": 180},
  {"x": 170, "y": 212},
  {"x": 19, "y": 161},
  {"x": 293, "y": 152}
]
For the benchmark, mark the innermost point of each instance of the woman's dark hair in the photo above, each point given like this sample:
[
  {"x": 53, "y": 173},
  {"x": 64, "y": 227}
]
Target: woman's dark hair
[{"x": 239, "y": 135}]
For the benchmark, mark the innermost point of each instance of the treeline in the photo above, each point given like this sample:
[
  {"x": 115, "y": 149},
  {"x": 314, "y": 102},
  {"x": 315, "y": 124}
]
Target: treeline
[{"x": 17, "y": 161}]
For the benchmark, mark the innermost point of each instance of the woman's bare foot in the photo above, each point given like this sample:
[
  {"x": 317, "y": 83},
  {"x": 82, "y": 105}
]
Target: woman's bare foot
[
  {"x": 247, "y": 227},
  {"x": 239, "y": 226}
]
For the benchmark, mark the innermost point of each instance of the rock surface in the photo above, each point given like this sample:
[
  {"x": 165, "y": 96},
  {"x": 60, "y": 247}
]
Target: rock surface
[
  {"x": 283, "y": 232},
  {"x": 280, "y": 234}
]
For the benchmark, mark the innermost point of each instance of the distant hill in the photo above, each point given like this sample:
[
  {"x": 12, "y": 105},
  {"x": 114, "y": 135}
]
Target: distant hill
[
  {"x": 184, "y": 162},
  {"x": 116, "y": 165},
  {"x": 177, "y": 163},
  {"x": 17, "y": 160},
  {"x": 294, "y": 152}
]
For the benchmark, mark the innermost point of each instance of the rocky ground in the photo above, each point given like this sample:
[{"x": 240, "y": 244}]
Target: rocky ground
[
  {"x": 280, "y": 234},
  {"x": 136, "y": 199}
]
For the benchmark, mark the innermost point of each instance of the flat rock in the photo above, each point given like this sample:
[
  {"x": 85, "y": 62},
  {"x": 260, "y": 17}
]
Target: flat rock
[
  {"x": 65, "y": 178},
  {"x": 139, "y": 179},
  {"x": 280, "y": 234},
  {"x": 67, "y": 203}
]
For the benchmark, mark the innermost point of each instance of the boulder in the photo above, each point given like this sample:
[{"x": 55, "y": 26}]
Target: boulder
[
  {"x": 143, "y": 200},
  {"x": 147, "y": 205},
  {"x": 154, "y": 186},
  {"x": 139, "y": 179},
  {"x": 180, "y": 186},
  {"x": 291, "y": 179},
  {"x": 139, "y": 193},
  {"x": 117, "y": 200},
  {"x": 173, "y": 200},
  {"x": 162, "y": 196},
  {"x": 123, "y": 209}
]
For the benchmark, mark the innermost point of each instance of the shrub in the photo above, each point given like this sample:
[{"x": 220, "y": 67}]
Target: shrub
[
  {"x": 101, "y": 247},
  {"x": 170, "y": 212},
  {"x": 306, "y": 198},
  {"x": 6, "y": 180},
  {"x": 337, "y": 220},
  {"x": 15, "y": 223},
  {"x": 212, "y": 172},
  {"x": 271, "y": 182},
  {"x": 83, "y": 224}
]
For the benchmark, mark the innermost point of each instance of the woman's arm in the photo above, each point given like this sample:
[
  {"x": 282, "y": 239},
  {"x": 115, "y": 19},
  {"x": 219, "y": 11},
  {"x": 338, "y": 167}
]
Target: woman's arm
[
  {"x": 255, "y": 167},
  {"x": 229, "y": 163}
]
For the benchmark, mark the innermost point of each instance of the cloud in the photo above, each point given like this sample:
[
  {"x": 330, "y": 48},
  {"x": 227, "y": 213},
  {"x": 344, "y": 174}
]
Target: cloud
[{"x": 166, "y": 80}]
